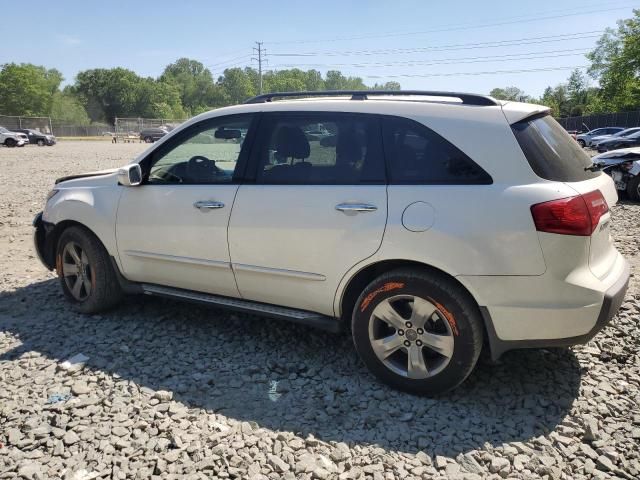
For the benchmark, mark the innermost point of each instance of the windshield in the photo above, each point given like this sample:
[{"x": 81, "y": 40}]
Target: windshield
[
  {"x": 3, "y": 130},
  {"x": 635, "y": 135}
]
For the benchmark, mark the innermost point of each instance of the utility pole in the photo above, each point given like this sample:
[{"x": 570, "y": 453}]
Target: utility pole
[{"x": 260, "y": 52}]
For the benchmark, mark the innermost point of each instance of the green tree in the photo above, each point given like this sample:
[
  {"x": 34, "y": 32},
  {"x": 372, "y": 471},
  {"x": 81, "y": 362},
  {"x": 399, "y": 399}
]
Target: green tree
[
  {"x": 27, "y": 89},
  {"x": 193, "y": 81},
  {"x": 577, "y": 93},
  {"x": 513, "y": 94},
  {"x": 66, "y": 107},
  {"x": 615, "y": 63},
  {"x": 108, "y": 93},
  {"x": 334, "y": 80},
  {"x": 237, "y": 85},
  {"x": 387, "y": 86}
]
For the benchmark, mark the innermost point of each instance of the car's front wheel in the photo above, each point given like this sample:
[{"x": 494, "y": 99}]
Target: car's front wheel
[
  {"x": 581, "y": 143},
  {"x": 85, "y": 271},
  {"x": 148, "y": 140},
  {"x": 41, "y": 143},
  {"x": 10, "y": 142},
  {"x": 417, "y": 331}
]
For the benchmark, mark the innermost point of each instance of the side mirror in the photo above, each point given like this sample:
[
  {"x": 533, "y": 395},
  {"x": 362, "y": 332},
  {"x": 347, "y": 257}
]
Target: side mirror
[{"x": 130, "y": 175}]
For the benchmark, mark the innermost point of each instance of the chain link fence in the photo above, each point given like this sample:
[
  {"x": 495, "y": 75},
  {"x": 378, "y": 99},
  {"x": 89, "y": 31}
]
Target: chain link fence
[
  {"x": 35, "y": 123},
  {"x": 589, "y": 122},
  {"x": 62, "y": 128},
  {"x": 128, "y": 129}
]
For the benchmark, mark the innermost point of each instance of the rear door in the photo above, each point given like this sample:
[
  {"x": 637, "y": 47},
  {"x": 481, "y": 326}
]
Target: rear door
[{"x": 318, "y": 206}]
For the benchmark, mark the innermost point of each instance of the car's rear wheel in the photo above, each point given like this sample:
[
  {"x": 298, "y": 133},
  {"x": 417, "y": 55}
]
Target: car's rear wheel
[
  {"x": 41, "y": 143},
  {"x": 581, "y": 143},
  {"x": 10, "y": 142},
  {"x": 417, "y": 331},
  {"x": 633, "y": 189},
  {"x": 85, "y": 271}
]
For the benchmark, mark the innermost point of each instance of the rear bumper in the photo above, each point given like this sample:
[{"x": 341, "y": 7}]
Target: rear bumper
[{"x": 540, "y": 326}]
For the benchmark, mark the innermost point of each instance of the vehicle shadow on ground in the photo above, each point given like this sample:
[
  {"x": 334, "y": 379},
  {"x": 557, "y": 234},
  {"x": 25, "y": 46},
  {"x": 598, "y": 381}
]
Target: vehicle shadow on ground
[{"x": 288, "y": 377}]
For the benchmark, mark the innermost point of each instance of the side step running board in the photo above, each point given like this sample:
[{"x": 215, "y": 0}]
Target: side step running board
[{"x": 294, "y": 315}]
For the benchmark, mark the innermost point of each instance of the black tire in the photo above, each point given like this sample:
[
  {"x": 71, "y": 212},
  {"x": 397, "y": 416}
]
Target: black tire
[
  {"x": 148, "y": 139},
  {"x": 633, "y": 189},
  {"x": 581, "y": 143},
  {"x": 10, "y": 142},
  {"x": 456, "y": 312},
  {"x": 40, "y": 143},
  {"x": 104, "y": 291}
]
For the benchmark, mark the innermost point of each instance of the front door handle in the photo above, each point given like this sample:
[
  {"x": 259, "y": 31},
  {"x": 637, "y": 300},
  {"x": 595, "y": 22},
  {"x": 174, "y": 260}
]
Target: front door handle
[
  {"x": 208, "y": 205},
  {"x": 356, "y": 207}
]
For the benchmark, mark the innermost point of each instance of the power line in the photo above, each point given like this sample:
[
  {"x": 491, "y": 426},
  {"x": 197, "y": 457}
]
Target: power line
[
  {"x": 448, "y": 47},
  {"x": 455, "y": 27},
  {"x": 449, "y": 61},
  {"x": 231, "y": 60},
  {"x": 491, "y": 72}
]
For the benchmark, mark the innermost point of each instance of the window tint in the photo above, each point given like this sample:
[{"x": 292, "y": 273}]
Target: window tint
[
  {"x": 417, "y": 155},
  {"x": 206, "y": 153},
  {"x": 551, "y": 152},
  {"x": 320, "y": 148}
]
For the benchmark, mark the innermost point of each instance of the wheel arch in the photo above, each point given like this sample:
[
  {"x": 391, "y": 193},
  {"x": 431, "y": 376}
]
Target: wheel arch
[
  {"x": 53, "y": 236},
  {"x": 368, "y": 273}
]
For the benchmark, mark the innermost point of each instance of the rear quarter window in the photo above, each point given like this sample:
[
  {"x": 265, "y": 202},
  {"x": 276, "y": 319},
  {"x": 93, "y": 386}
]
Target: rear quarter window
[{"x": 551, "y": 152}]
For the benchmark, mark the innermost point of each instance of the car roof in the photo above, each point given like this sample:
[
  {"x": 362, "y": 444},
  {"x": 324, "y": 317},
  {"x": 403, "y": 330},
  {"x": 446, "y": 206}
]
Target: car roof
[{"x": 398, "y": 106}]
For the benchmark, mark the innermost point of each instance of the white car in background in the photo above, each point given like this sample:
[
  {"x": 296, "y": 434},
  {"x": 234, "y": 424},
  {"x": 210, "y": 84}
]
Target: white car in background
[
  {"x": 12, "y": 139},
  {"x": 435, "y": 224}
]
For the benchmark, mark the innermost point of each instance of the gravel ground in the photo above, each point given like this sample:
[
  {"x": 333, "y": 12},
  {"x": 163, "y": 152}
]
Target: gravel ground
[{"x": 170, "y": 390}]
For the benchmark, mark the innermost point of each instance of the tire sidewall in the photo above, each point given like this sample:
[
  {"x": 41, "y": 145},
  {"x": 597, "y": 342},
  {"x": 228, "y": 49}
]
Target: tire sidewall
[
  {"x": 79, "y": 237},
  {"x": 464, "y": 354}
]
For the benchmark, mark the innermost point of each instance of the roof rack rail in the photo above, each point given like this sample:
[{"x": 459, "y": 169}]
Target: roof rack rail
[{"x": 466, "y": 98}]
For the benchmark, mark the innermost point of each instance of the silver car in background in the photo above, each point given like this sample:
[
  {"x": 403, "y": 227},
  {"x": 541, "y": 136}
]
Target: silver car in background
[{"x": 585, "y": 139}]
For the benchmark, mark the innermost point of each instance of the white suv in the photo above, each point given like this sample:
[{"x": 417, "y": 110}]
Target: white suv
[{"x": 429, "y": 222}]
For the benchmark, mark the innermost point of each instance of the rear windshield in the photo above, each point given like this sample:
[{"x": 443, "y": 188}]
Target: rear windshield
[{"x": 551, "y": 152}]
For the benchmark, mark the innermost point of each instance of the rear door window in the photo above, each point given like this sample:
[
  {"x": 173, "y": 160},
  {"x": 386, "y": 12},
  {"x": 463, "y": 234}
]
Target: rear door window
[
  {"x": 418, "y": 155},
  {"x": 551, "y": 152},
  {"x": 327, "y": 148}
]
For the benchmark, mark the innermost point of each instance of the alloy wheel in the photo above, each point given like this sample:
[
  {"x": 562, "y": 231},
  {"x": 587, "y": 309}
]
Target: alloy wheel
[
  {"x": 77, "y": 271},
  {"x": 411, "y": 336}
]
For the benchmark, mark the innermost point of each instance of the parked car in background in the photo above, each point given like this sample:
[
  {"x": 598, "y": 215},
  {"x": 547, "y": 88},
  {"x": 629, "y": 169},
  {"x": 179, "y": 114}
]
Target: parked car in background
[
  {"x": 573, "y": 133},
  {"x": 150, "y": 135},
  {"x": 584, "y": 139},
  {"x": 615, "y": 143},
  {"x": 623, "y": 133},
  {"x": 12, "y": 139},
  {"x": 623, "y": 166},
  {"x": 38, "y": 138},
  {"x": 428, "y": 226}
]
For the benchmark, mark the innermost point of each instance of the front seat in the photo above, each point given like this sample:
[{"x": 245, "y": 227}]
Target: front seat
[{"x": 290, "y": 144}]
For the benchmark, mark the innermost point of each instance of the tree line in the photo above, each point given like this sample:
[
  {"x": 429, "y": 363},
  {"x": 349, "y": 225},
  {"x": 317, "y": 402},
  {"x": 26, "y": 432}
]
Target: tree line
[
  {"x": 614, "y": 66},
  {"x": 185, "y": 88}
]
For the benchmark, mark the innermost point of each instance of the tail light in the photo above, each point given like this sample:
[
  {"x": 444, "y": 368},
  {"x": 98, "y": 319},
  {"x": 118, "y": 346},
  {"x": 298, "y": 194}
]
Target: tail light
[{"x": 577, "y": 215}]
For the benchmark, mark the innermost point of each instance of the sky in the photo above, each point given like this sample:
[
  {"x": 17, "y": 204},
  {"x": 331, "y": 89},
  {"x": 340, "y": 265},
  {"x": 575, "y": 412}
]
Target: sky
[{"x": 465, "y": 45}]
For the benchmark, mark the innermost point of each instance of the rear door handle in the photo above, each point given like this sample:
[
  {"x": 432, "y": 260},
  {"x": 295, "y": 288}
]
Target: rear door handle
[
  {"x": 208, "y": 205},
  {"x": 356, "y": 207}
]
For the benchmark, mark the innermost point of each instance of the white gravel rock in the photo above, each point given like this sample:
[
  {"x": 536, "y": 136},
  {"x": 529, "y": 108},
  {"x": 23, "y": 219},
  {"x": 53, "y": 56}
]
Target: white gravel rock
[{"x": 167, "y": 390}]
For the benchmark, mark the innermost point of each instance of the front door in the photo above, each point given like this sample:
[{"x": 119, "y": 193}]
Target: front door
[
  {"x": 317, "y": 207},
  {"x": 172, "y": 229}
]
